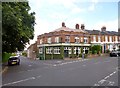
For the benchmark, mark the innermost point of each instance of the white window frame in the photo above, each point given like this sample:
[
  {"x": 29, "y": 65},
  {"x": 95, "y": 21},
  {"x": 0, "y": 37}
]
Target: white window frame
[
  {"x": 116, "y": 38},
  {"x": 41, "y": 41},
  {"x": 94, "y": 38},
  {"x": 57, "y": 39},
  {"x": 99, "y": 39},
  {"x": 49, "y": 40},
  {"x": 56, "y": 50},
  {"x": 106, "y": 38},
  {"x": 67, "y": 39},
  {"x": 49, "y": 50},
  {"x": 40, "y": 50},
  {"x": 85, "y": 40},
  {"x": 110, "y": 38},
  {"x": 77, "y": 40}
]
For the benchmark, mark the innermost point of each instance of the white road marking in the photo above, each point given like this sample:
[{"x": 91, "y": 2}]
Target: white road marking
[
  {"x": 31, "y": 78},
  {"x": 29, "y": 70},
  {"x": 105, "y": 79},
  {"x": 102, "y": 81},
  {"x": 97, "y": 62},
  {"x": 107, "y": 61},
  {"x": 38, "y": 76},
  {"x": 30, "y": 65},
  {"x": 83, "y": 65},
  {"x": 96, "y": 85},
  {"x": 111, "y": 83},
  {"x": 54, "y": 65}
]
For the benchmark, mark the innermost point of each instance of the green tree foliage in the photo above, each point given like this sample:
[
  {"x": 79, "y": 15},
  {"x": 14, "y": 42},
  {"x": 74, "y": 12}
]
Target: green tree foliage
[
  {"x": 17, "y": 25},
  {"x": 96, "y": 49}
]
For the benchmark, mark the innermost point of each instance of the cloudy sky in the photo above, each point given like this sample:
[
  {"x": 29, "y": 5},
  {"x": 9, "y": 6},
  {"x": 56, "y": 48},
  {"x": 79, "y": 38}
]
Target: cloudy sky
[{"x": 93, "y": 13}]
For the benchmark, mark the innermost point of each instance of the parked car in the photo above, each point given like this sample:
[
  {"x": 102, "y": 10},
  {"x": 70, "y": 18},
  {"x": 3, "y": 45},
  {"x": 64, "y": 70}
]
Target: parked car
[
  {"x": 14, "y": 60},
  {"x": 114, "y": 53}
]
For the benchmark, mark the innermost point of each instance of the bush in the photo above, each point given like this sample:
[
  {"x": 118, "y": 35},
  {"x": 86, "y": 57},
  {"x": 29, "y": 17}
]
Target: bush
[
  {"x": 24, "y": 54},
  {"x": 86, "y": 55},
  {"x": 5, "y": 56},
  {"x": 80, "y": 55},
  {"x": 95, "y": 52},
  {"x": 96, "y": 48},
  {"x": 13, "y": 54},
  {"x": 108, "y": 51},
  {"x": 90, "y": 52}
]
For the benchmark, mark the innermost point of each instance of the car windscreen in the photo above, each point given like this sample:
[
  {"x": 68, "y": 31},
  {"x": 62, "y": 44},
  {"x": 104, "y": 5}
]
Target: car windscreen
[{"x": 13, "y": 58}]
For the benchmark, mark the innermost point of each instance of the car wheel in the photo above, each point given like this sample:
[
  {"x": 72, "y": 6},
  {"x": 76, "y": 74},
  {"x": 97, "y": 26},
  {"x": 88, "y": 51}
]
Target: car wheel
[{"x": 18, "y": 63}]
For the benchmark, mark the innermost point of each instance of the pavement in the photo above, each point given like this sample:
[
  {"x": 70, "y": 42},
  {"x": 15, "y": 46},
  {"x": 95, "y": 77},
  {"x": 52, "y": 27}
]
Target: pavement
[{"x": 99, "y": 71}]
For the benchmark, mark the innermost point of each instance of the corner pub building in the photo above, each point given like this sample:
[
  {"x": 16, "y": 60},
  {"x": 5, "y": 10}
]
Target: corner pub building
[
  {"x": 66, "y": 42},
  {"x": 63, "y": 42}
]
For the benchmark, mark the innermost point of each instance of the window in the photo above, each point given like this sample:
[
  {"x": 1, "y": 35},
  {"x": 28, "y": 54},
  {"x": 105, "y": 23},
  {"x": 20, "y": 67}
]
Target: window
[
  {"x": 106, "y": 38},
  {"x": 41, "y": 41},
  {"x": 110, "y": 38},
  {"x": 40, "y": 50},
  {"x": 67, "y": 39},
  {"x": 116, "y": 38},
  {"x": 99, "y": 39},
  {"x": 77, "y": 50},
  {"x": 85, "y": 40},
  {"x": 94, "y": 38},
  {"x": 77, "y": 40},
  {"x": 49, "y": 40},
  {"x": 57, "y": 50},
  {"x": 49, "y": 50},
  {"x": 57, "y": 39},
  {"x": 69, "y": 49}
]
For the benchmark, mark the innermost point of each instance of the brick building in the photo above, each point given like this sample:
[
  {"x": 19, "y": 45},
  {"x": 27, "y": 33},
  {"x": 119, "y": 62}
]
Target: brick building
[
  {"x": 67, "y": 42},
  {"x": 107, "y": 39},
  {"x": 32, "y": 51},
  {"x": 63, "y": 42}
]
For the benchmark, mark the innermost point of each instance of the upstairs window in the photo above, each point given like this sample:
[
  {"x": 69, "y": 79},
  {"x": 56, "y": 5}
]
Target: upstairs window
[
  {"x": 85, "y": 40},
  {"x": 49, "y": 40},
  {"x": 94, "y": 38},
  {"x": 77, "y": 40},
  {"x": 99, "y": 39},
  {"x": 106, "y": 38},
  {"x": 110, "y": 38},
  {"x": 67, "y": 39},
  {"x": 57, "y": 39},
  {"x": 41, "y": 41}
]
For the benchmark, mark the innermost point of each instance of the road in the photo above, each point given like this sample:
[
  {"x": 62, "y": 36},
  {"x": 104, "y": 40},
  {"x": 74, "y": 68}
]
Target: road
[{"x": 100, "y": 71}]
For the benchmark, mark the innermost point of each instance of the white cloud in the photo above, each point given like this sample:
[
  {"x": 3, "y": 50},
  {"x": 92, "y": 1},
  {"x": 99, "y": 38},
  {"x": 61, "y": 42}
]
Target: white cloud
[
  {"x": 78, "y": 10},
  {"x": 93, "y": 5},
  {"x": 110, "y": 25}
]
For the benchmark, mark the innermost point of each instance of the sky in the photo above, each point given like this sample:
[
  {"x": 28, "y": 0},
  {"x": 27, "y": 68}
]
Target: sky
[{"x": 92, "y": 13}]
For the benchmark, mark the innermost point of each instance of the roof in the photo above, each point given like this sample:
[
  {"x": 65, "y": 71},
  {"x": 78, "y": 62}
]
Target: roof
[
  {"x": 97, "y": 32},
  {"x": 70, "y": 29}
]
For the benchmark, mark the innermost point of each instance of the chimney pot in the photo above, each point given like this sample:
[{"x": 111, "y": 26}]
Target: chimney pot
[
  {"x": 82, "y": 26},
  {"x": 77, "y": 26},
  {"x": 63, "y": 24},
  {"x": 103, "y": 29}
]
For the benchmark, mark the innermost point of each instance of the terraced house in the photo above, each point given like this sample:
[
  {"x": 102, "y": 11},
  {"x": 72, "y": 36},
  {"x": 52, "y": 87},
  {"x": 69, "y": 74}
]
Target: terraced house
[
  {"x": 107, "y": 39},
  {"x": 66, "y": 42}
]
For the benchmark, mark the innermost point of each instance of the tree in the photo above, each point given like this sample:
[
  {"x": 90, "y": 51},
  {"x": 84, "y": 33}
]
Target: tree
[{"x": 17, "y": 25}]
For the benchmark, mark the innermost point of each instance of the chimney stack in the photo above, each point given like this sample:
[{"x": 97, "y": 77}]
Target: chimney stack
[
  {"x": 63, "y": 24},
  {"x": 77, "y": 26},
  {"x": 82, "y": 26},
  {"x": 103, "y": 29}
]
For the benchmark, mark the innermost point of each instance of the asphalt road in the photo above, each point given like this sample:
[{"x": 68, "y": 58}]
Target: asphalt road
[{"x": 100, "y": 71}]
